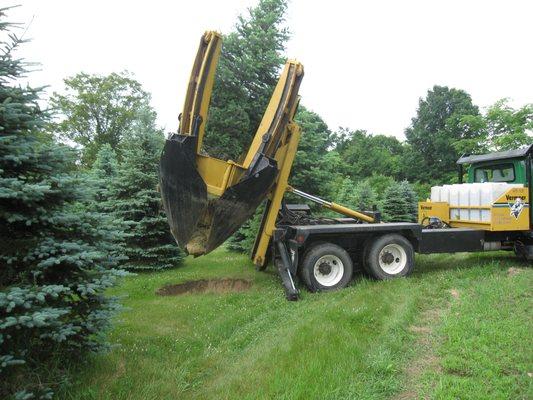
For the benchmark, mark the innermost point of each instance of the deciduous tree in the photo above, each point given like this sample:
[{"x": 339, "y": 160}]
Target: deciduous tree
[
  {"x": 95, "y": 110},
  {"x": 436, "y": 130}
]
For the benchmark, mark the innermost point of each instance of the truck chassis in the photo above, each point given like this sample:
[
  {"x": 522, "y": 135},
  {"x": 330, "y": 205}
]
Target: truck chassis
[{"x": 382, "y": 250}]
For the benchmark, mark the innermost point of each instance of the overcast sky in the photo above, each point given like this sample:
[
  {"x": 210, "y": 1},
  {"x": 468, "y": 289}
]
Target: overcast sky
[{"x": 366, "y": 62}]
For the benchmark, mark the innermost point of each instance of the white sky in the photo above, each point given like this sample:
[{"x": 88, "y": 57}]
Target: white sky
[{"x": 367, "y": 62}]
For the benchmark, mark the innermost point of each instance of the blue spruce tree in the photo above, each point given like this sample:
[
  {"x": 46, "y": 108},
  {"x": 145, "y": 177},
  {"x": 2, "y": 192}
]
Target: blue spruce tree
[
  {"x": 137, "y": 201},
  {"x": 56, "y": 261}
]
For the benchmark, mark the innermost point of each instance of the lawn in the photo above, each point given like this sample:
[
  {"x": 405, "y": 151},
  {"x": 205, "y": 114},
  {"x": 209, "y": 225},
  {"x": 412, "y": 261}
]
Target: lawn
[{"x": 458, "y": 328}]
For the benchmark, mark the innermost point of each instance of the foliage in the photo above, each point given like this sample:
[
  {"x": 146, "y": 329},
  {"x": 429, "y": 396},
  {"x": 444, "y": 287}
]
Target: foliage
[
  {"x": 315, "y": 166},
  {"x": 96, "y": 109},
  {"x": 56, "y": 262},
  {"x": 422, "y": 190},
  {"x": 366, "y": 155},
  {"x": 437, "y": 130},
  {"x": 246, "y": 76},
  {"x": 508, "y": 128},
  {"x": 358, "y": 196},
  {"x": 136, "y": 200},
  {"x": 400, "y": 203},
  {"x": 379, "y": 184},
  {"x": 103, "y": 174}
]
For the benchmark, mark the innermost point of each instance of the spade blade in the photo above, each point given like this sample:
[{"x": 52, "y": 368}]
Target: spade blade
[
  {"x": 183, "y": 190},
  {"x": 239, "y": 202}
]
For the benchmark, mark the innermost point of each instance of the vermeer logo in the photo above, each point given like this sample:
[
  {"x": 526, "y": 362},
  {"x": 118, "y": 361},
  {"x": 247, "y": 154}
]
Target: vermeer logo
[
  {"x": 511, "y": 198},
  {"x": 517, "y": 206},
  {"x": 426, "y": 207}
]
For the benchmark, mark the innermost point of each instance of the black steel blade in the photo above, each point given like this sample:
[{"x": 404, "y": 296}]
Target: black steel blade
[
  {"x": 183, "y": 190},
  {"x": 239, "y": 202}
]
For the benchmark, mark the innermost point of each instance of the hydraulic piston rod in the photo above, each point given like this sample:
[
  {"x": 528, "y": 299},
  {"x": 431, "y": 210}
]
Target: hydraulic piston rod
[{"x": 332, "y": 206}]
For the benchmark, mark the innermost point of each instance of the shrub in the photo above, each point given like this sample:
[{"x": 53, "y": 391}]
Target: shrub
[
  {"x": 56, "y": 261},
  {"x": 399, "y": 203}
]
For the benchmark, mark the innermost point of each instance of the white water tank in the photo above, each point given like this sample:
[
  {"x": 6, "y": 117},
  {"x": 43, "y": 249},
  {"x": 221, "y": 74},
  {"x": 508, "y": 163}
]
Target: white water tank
[{"x": 462, "y": 197}]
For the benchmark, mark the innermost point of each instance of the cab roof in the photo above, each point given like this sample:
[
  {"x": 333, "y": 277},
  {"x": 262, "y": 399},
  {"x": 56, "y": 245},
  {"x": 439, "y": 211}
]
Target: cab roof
[{"x": 500, "y": 155}]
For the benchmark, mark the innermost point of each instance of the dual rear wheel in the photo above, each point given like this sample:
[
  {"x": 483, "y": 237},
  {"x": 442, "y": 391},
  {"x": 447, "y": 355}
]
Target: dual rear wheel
[{"x": 327, "y": 266}]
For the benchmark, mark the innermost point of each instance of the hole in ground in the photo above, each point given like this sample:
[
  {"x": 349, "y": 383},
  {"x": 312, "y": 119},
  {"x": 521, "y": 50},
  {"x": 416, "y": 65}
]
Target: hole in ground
[{"x": 226, "y": 285}]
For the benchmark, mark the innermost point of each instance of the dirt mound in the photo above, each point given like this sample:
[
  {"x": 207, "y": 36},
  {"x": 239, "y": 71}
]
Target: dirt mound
[
  {"x": 206, "y": 286},
  {"x": 513, "y": 271}
]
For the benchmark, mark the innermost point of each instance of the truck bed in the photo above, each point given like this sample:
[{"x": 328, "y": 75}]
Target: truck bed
[{"x": 425, "y": 241}]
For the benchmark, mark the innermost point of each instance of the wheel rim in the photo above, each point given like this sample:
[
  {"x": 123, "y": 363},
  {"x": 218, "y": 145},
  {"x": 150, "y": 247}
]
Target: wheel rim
[
  {"x": 392, "y": 259},
  {"x": 328, "y": 270}
]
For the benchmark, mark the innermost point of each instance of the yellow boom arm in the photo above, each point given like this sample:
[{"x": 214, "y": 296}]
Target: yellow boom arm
[{"x": 207, "y": 199}]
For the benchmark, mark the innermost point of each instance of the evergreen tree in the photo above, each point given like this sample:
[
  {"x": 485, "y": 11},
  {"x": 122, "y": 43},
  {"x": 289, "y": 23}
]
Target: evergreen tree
[
  {"x": 136, "y": 200},
  {"x": 246, "y": 76},
  {"x": 103, "y": 173},
  {"x": 399, "y": 203},
  {"x": 412, "y": 200},
  {"x": 56, "y": 262},
  {"x": 365, "y": 198},
  {"x": 315, "y": 166}
]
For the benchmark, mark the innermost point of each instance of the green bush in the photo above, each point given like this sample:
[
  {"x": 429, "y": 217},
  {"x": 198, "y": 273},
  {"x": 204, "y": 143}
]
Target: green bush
[
  {"x": 400, "y": 203},
  {"x": 358, "y": 196},
  {"x": 56, "y": 258}
]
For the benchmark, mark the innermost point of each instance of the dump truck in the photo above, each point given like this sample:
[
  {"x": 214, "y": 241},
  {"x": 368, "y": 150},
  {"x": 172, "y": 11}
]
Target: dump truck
[{"x": 207, "y": 199}]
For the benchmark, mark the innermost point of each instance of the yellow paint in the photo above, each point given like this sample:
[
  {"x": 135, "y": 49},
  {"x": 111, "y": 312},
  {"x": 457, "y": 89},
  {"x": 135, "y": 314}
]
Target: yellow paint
[
  {"x": 428, "y": 209},
  {"x": 349, "y": 212},
  {"x": 501, "y": 219},
  {"x": 201, "y": 85},
  {"x": 292, "y": 74},
  {"x": 285, "y": 157}
]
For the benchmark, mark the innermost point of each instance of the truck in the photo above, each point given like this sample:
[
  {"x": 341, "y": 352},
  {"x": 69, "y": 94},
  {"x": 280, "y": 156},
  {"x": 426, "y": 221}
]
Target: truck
[{"x": 206, "y": 199}]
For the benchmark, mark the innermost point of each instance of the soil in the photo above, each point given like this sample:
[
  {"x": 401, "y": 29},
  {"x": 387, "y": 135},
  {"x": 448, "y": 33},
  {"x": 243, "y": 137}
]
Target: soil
[
  {"x": 226, "y": 285},
  {"x": 513, "y": 271}
]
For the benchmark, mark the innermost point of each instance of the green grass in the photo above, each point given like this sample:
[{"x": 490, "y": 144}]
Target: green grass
[{"x": 358, "y": 343}]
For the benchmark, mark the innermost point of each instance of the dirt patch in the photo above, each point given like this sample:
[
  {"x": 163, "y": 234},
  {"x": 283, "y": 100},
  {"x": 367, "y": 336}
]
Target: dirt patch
[
  {"x": 206, "y": 286},
  {"x": 513, "y": 271},
  {"x": 454, "y": 293}
]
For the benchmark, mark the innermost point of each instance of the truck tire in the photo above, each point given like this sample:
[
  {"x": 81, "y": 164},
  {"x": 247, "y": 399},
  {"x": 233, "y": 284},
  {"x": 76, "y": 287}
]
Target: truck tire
[
  {"x": 326, "y": 267},
  {"x": 389, "y": 256}
]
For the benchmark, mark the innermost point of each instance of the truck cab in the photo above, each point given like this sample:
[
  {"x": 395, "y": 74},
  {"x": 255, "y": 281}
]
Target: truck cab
[{"x": 512, "y": 166}]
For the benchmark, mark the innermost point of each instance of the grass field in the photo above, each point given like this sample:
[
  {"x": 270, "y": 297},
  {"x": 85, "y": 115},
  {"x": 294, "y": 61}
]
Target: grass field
[{"x": 458, "y": 328}]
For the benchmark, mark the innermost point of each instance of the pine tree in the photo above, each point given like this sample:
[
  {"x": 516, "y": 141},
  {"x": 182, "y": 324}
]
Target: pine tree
[
  {"x": 412, "y": 200},
  {"x": 358, "y": 196},
  {"x": 136, "y": 200},
  {"x": 247, "y": 73},
  {"x": 103, "y": 173},
  {"x": 56, "y": 262},
  {"x": 365, "y": 198},
  {"x": 399, "y": 203}
]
